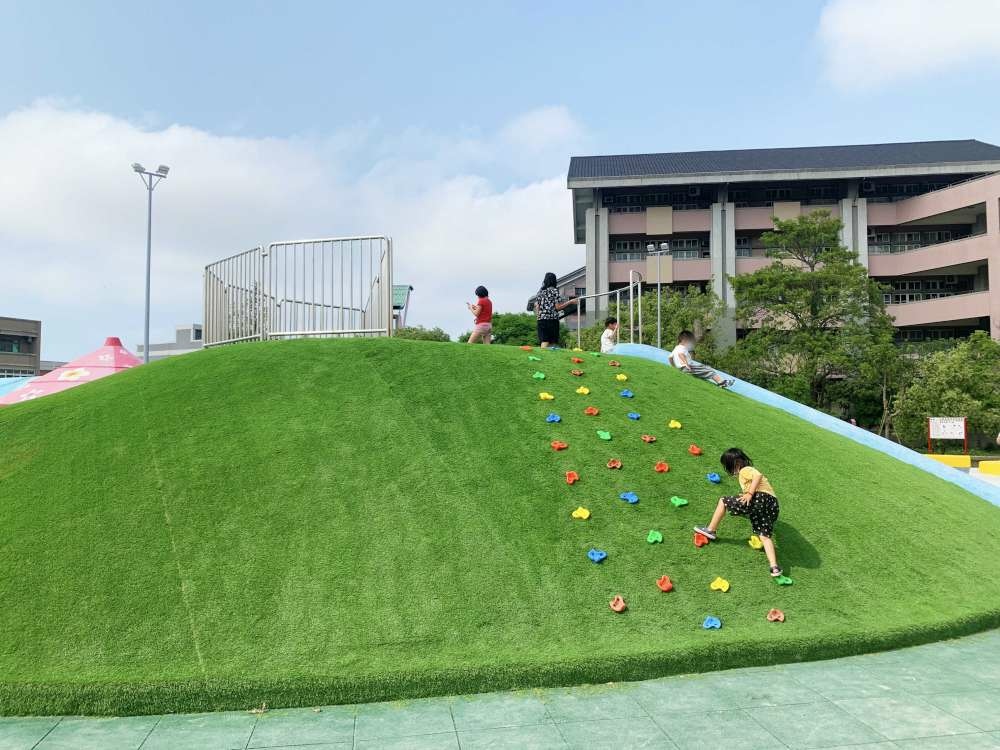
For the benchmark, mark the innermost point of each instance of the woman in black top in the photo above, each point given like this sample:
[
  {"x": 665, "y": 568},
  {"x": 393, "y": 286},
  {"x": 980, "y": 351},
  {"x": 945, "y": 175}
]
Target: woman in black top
[{"x": 548, "y": 303}]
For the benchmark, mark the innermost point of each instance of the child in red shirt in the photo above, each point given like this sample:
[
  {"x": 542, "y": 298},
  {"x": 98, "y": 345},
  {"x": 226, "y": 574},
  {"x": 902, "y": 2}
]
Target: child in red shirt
[{"x": 482, "y": 331}]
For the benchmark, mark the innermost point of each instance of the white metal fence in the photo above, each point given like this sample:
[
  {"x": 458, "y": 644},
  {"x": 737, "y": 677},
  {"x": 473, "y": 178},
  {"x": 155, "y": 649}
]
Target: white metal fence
[
  {"x": 340, "y": 286},
  {"x": 633, "y": 295}
]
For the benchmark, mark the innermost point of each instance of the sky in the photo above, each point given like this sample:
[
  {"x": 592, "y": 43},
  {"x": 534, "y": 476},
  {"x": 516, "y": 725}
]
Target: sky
[{"x": 448, "y": 126}]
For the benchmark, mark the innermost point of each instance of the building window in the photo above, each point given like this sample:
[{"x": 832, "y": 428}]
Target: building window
[
  {"x": 778, "y": 194},
  {"x": 8, "y": 345}
]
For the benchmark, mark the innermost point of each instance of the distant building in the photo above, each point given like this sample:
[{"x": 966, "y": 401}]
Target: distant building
[
  {"x": 20, "y": 347},
  {"x": 400, "y": 303},
  {"x": 48, "y": 365},
  {"x": 187, "y": 339}
]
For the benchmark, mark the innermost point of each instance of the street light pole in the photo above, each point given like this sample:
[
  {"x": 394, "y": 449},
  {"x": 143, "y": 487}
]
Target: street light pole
[
  {"x": 150, "y": 180},
  {"x": 664, "y": 250}
]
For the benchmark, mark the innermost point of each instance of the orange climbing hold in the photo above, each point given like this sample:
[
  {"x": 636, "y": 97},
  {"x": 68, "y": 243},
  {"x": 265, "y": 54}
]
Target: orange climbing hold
[
  {"x": 576, "y": 360},
  {"x": 649, "y": 438},
  {"x": 526, "y": 348},
  {"x": 694, "y": 450},
  {"x": 591, "y": 411},
  {"x": 775, "y": 615},
  {"x": 559, "y": 445},
  {"x": 615, "y": 363},
  {"x": 572, "y": 477},
  {"x": 615, "y": 463},
  {"x": 618, "y": 604},
  {"x": 664, "y": 584},
  {"x": 700, "y": 540},
  {"x": 661, "y": 467}
]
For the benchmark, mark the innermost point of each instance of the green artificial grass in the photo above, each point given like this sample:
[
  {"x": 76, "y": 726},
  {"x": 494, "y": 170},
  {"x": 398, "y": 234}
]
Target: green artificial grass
[{"x": 317, "y": 522}]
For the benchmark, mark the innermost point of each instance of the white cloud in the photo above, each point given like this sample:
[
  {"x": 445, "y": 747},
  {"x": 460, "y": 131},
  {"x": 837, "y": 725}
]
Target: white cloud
[
  {"x": 72, "y": 215},
  {"x": 870, "y": 43}
]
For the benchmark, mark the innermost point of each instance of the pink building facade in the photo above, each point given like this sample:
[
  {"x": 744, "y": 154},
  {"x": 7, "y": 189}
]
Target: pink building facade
[{"x": 924, "y": 218}]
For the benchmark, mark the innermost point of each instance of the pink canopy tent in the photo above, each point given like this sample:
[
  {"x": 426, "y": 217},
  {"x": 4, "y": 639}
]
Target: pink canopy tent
[{"x": 109, "y": 359}]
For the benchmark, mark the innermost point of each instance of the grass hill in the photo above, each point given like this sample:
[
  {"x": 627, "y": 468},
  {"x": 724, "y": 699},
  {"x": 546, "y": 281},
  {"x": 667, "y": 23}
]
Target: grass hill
[{"x": 313, "y": 522}]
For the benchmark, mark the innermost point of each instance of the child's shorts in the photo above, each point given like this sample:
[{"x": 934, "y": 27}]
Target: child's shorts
[{"x": 762, "y": 510}]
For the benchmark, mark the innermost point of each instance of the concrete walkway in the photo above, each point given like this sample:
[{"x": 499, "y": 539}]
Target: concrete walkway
[{"x": 944, "y": 695}]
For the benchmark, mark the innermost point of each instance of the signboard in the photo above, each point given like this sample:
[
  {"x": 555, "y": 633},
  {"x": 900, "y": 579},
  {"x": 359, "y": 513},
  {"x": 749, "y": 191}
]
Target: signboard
[{"x": 947, "y": 428}]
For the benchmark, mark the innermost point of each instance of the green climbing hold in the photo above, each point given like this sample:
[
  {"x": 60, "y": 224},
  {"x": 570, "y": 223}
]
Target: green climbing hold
[
  {"x": 539, "y": 376},
  {"x": 604, "y": 434},
  {"x": 678, "y": 501},
  {"x": 533, "y": 358},
  {"x": 783, "y": 580},
  {"x": 595, "y": 354},
  {"x": 654, "y": 537}
]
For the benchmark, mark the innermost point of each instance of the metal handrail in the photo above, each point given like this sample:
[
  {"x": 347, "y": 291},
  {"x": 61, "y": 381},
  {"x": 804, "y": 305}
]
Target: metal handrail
[{"x": 634, "y": 287}]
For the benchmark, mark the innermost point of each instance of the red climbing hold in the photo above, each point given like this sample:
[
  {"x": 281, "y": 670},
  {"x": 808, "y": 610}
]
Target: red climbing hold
[
  {"x": 591, "y": 411},
  {"x": 700, "y": 540},
  {"x": 661, "y": 467},
  {"x": 526, "y": 348},
  {"x": 618, "y": 604},
  {"x": 694, "y": 450},
  {"x": 775, "y": 615},
  {"x": 559, "y": 445},
  {"x": 615, "y": 463},
  {"x": 571, "y": 477},
  {"x": 649, "y": 438},
  {"x": 576, "y": 360},
  {"x": 664, "y": 584}
]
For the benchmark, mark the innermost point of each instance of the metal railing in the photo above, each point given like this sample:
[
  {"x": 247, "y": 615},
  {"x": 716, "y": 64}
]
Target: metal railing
[
  {"x": 339, "y": 286},
  {"x": 634, "y": 292}
]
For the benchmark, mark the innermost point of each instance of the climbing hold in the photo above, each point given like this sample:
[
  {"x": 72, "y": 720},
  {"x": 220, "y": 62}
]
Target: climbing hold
[
  {"x": 713, "y": 477},
  {"x": 654, "y": 537},
  {"x": 553, "y": 417},
  {"x": 719, "y": 584},
  {"x": 539, "y": 376},
  {"x": 673, "y": 424},
  {"x": 581, "y": 514},
  {"x": 755, "y": 542},
  {"x": 559, "y": 445},
  {"x": 783, "y": 580},
  {"x": 572, "y": 477},
  {"x": 604, "y": 434},
  {"x": 626, "y": 393},
  {"x": 575, "y": 360},
  {"x": 545, "y": 396},
  {"x": 712, "y": 623},
  {"x": 661, "y": 467},
  {"x": 664, "y": 584},
  {"x": 614, "y": 363},
  {"x": 577, "y": 349},
  {"x": 591, "y": 411},
  {"x": 533, "y": 358},
  {"x": 649, "y": 438},
  {"x": 583, "y": 390},
  {"x": 595, "y": 354},
  {"x": 597, "y": 555},
  {"x": 634, "y": 415},
  {"x": 622, "y": 377},
  {"x": 577, "y": 373},
  {"x": 678, "y": 501},
  {"x": 629, "y": 497},
  {"x": 615, "y": 463},
  {"x": 700, "y": 540},
  {"x": 694, "y": 450},
  {"x": 775, "y": 615},
  {"x": 526, "y": 348},
  {"x": 618, "y": 604}
]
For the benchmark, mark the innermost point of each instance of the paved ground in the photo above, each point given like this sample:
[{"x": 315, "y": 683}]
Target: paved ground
[{"x": 945, "y": 695}]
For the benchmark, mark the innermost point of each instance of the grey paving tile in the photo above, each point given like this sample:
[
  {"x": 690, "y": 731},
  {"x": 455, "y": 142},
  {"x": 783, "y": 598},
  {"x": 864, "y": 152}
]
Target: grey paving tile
[
  {"x": 979, "y": 708},
  {"x": 78, "y": 733},
  {"x": 872, "y": 746},
  {"x": 733, "y": 730},
  {"x": 954, "y": 742},
  {"x": 301, "y": 726},
  {"x": 442, "y": 741},
  {"x": 497, "y": 710},
  {"x": 904, "y": 717},
  {"x": 218, "y": 731},
  {"x": 923, "y": 679},
  {"x": 538, "y": 737},
  {"x": 813, "y": 725},
  {"x": 17, "y": 733},
  {"x": 702, "y": 692},
  {"x": 836, "y": 680},
  {"x": 592, "y": 702},
  {"x": 403, "y": 719},
  {"x": 321, "y": 746},
  {"x": 765, "y": 688},
  {"x": 615, "y": 734}
]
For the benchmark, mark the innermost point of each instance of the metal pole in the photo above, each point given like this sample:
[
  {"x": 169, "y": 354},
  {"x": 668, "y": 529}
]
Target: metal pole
[
  {"x": 149, "y": 255},
  {"x": 659, "y": 260}
]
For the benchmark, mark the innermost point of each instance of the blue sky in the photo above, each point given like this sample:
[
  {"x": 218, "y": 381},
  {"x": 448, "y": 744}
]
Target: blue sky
[{"x": 389, "y": 111}]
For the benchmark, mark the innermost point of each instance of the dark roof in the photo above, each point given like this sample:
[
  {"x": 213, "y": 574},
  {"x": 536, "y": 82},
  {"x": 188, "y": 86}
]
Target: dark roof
[{"x": 773, "y": 159}]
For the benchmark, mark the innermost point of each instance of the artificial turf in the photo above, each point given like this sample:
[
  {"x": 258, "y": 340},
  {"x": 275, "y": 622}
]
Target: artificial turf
[{"x": 316, "y": 522}]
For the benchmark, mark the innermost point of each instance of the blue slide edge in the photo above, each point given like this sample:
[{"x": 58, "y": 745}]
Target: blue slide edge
[{"x": 981, "y": 489}]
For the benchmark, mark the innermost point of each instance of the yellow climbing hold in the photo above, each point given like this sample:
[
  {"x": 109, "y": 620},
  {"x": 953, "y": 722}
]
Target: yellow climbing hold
[
  {"x": 583, "y": 390},
  {"x": 755, "y": 542},
  {"x": 673, "y": 424},
  {"x": 577, "y": 349},
  {"x": 545, "y": 396},
  {"x": 581, "y": 514},
  {"x": 621, "y": 377},
  {"x": 719, "y": 584}
]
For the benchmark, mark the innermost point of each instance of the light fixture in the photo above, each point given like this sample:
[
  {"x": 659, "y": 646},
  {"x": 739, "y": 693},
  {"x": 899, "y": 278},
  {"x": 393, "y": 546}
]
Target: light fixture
[
  {"x": 137, "y": 167},
  {"x": 162, "y": 169}
]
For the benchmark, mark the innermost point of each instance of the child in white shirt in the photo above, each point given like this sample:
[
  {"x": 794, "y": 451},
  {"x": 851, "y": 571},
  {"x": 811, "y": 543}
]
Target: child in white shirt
[
  {"x": 609, "y": 336},
  {"x": 681, "y": 358}
]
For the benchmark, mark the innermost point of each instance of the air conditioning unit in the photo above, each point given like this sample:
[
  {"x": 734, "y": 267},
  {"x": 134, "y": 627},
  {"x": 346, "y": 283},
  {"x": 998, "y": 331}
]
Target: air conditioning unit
[
  {"x": 694, "y": 190},
  {"x": 867, "y": 186}
]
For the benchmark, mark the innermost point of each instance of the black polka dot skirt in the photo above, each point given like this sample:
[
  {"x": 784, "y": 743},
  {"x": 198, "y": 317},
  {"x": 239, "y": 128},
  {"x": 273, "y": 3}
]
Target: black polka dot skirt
[{"x": 762, "y": 510}]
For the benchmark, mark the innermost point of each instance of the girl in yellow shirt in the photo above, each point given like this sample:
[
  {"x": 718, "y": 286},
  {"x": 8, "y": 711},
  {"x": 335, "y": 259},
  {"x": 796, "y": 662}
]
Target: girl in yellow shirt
[{"x": 758, "y": 503}]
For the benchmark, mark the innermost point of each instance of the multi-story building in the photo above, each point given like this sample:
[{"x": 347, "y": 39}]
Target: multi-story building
[
  {"x": 924, "y": 218},
  {"x": 187, "y": 338},
  {"x": 20, "y": 347}
]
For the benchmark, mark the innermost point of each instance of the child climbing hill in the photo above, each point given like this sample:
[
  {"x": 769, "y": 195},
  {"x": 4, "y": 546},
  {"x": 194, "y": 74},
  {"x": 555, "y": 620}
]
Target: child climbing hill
[{"x": 758, "y": 503}]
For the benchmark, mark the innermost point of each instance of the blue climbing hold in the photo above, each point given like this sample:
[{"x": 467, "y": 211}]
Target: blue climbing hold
[
  {"x": 553, "y": 417},
  {"x": 626, "y": 393},
  {"x": 633, "y": 415},
  {"x": 712, "y": 622},
  {"x": 597, "y": 555},
  {"x": 713, "y": 477},
  {"x": 629, "y": 497}
]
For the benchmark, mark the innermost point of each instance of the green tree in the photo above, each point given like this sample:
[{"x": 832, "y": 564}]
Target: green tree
[
  {"x": 812, "y": 313},
  {"x": 517, "y": 329},
  {"x": 419, "y": 333},
  {"x": 963, "y": 381}
]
